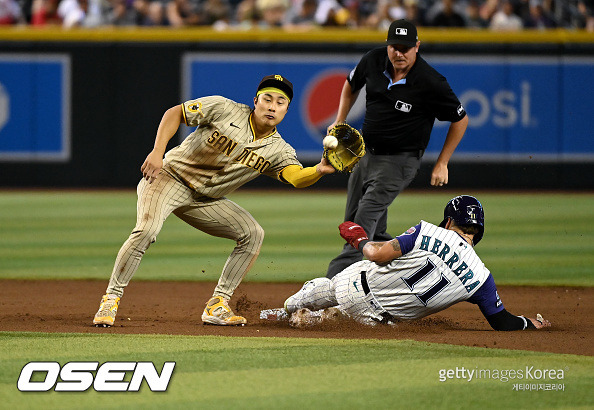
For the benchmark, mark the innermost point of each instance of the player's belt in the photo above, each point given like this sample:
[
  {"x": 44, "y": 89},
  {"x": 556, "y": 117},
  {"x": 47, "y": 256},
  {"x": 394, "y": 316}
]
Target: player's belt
[
  {"x": 386, "y": 317},
  {"x": 364, "y": 282}
]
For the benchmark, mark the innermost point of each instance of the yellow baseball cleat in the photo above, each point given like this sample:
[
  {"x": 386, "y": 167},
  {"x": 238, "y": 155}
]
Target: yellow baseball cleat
[
  {"x": 218, "y": 312},
  {"x": 108, "y": 309}
]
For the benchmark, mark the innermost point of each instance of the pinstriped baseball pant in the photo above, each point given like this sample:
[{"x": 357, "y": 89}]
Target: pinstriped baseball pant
[
  {"x": 217, "y": 217},
  {"x": 344, "y": 291}
]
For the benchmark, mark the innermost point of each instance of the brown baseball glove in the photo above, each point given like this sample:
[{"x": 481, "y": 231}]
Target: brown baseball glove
[{"x": 350, "y": 149}]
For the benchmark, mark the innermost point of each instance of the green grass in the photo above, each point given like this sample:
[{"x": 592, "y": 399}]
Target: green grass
[
  {"x": 271, "y": 373},
  {"x": 530, "y": 239}
]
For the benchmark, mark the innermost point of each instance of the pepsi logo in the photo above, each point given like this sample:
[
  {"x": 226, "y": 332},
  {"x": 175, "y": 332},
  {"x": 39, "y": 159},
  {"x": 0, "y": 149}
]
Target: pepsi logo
[{"x": 319, "y": 103}]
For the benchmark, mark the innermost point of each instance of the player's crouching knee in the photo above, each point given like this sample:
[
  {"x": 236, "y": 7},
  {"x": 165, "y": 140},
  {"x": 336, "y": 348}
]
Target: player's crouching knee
[
  {"x": 144, "y": 237},
  {"x": 253, "y": 237}
]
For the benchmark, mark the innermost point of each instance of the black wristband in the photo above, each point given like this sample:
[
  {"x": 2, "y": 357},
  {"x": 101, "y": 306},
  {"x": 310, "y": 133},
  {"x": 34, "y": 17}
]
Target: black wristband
[
  {"x": 362, "y": 244},
  {"x": 529, "y": 324}
]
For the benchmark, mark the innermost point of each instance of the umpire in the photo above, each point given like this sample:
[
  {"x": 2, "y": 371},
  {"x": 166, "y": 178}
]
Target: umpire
[{"x": 404, "y": 97}]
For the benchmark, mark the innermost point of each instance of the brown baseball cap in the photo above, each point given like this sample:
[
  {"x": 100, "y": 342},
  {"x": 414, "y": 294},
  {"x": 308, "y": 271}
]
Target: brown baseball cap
[
  {"x": 279, "y": 82},
  {"x": 402, "y": 32}
]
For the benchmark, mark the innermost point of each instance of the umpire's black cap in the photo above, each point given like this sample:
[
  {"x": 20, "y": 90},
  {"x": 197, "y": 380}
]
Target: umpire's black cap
[
  {"x": 402, "y": 32},
  {"x": 279, "y": 82}
]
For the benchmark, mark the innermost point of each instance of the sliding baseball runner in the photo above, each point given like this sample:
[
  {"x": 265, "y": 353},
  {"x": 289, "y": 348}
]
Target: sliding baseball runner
[{"x": 421, "y": 272}]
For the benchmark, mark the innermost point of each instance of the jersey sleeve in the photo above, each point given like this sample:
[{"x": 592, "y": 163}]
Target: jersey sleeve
[
  {"x": 407, "y": 239},
  {"x": 203, "y": 110},
  {"x": 487, "y": 298},
  {"x": 446, "y": 104},
  {"x": 356, "y": 77},
  {"x": 285, "y": 157}
]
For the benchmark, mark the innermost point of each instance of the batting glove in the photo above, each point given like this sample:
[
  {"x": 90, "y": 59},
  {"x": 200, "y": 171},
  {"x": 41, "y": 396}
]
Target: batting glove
[{"x": 352, "y": 233}]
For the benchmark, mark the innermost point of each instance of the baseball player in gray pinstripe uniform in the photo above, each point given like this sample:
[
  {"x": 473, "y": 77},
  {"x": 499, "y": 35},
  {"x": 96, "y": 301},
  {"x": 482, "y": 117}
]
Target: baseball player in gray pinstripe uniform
[
  {"x": 232, "y": 145},
  {"x": 423, "y": 271}
]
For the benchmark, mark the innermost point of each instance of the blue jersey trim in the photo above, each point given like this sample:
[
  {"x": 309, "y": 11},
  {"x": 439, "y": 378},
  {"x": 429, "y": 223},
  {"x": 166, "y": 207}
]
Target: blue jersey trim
[
  {"x": 487, "y": 299},
  {"x": 407, "y": 240}
]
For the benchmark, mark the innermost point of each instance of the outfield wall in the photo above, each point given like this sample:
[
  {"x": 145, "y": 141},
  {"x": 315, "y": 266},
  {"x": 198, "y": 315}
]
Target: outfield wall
[{"x": 79, "y": 108}]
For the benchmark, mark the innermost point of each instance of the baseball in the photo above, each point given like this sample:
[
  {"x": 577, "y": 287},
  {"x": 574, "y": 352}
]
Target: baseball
[{"x": 330, "y": 142}]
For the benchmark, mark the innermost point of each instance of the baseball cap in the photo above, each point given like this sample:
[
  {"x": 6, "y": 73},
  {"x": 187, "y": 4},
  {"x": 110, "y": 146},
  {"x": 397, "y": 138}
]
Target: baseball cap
[
  {"x": 402, "y": 32},
  {"x": 276, "y": 83}
]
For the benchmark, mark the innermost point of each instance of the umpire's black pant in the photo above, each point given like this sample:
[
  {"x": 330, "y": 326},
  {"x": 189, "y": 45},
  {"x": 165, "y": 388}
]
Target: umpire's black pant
[{"x": 373, "y": 185}]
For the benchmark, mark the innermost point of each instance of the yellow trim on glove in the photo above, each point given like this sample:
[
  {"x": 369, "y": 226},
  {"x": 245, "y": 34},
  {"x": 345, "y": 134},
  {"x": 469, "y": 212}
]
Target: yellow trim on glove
[{"x": 300, "y": 177}]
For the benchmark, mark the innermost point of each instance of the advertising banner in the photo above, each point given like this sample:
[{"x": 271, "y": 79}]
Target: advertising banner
[
  {"x": 533, "y": 108},
  {"x": 34, "y": 107}
]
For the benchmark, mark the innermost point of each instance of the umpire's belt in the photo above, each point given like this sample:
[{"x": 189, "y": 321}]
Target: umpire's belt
[
  {"x": 394, "y": 151},
  {"x": 385, "y": 317}
]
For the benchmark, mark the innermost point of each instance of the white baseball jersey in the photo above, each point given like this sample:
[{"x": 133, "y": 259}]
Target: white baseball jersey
[
  {"x": 438, "y": 268},
  {"x": 222, "y": 154}
]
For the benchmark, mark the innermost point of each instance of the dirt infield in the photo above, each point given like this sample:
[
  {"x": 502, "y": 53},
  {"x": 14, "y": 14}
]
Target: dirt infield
[{"x": 175, "y": 308}]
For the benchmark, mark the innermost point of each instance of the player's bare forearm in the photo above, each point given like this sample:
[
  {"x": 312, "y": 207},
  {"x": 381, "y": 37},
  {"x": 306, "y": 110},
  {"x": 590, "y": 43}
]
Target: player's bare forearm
[
  {"x": 382, "y": 252},
  {"x": 168, "y": 126},
  {"x": 439, "y": 175}
]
